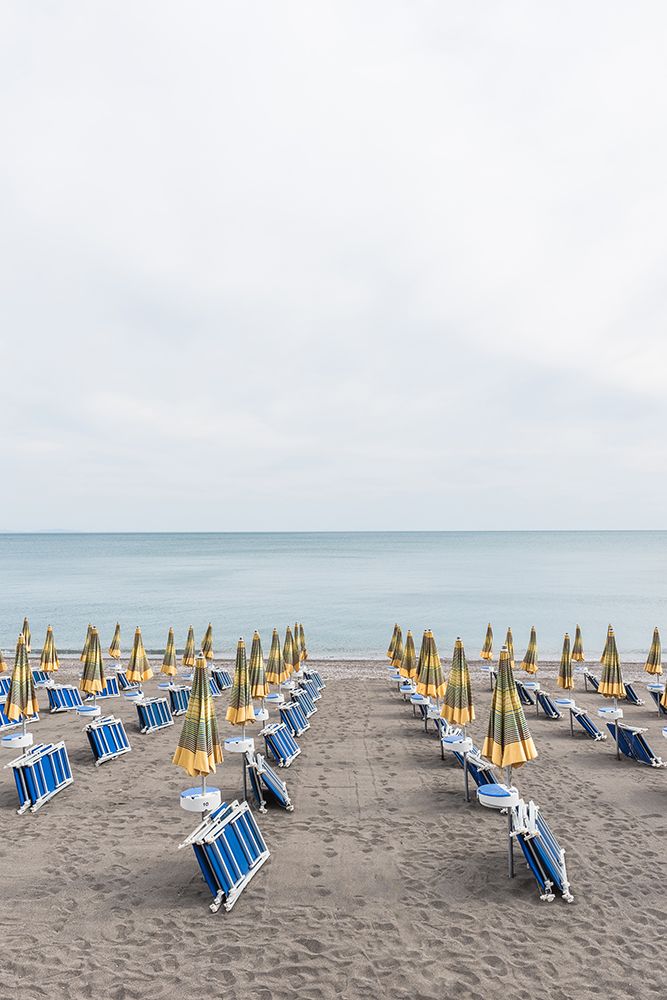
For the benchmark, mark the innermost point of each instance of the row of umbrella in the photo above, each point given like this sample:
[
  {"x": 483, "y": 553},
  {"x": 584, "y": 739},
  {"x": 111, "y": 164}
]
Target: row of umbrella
[{"x": 138, "y": 669}]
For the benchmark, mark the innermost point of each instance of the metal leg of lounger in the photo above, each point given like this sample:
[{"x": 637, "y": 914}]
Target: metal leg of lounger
[{"x": 465, "y": 775}]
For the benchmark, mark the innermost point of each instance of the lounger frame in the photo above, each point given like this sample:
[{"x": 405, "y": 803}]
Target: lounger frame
[
  {"x": 108, "y": 739},
  {"x": 40, "y": 773}
]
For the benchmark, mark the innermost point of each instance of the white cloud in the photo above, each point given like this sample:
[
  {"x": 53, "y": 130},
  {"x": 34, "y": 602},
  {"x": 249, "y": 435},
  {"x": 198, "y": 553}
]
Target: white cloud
[{"x": 332, "y": 265}]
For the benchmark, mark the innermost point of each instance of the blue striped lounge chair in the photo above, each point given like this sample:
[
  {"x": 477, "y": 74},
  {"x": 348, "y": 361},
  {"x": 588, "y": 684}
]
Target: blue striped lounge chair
[
  {"x": 525, "y": 696},
  {"x": 179, "y": 698},
  {"x": 110, "y": 689},
  {"x": 124, "y": 684},
  {"x": 265, "y": 781},
  {"x": 311, "y": 687},
  {"x": 40, "y": 773},
  {"x": 633, "y": 744},
  {"x": 581, "y": 716},
  {"x": 315, "y": 676},
  {"x": 546, "y": 703},
  {"x": 222, "y": 678},
  {"x": 108, "y": 739},
  {"x": 230, "y": 850},
  {"x": 40, "y": 678},
  {"x": 153, "y": 714},
  {"x": 63, "y": 698},
  {"x": 656, "y": 693},
  {"x": 216, "y": 692},
  {"x": 5, "y": 684},
  {"x": 590, "y": 678},
  {"x": 294, "y": 718},
  {"x": 631, "y": 695},
  {"x": 544, "y": 855},
  {"x": 306, "y": 702},
  {"x": 6, "y": 724},
  {"x": 280, "y": 744}
]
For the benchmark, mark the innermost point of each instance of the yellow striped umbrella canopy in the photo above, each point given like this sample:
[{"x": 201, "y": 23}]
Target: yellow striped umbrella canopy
[
  {"x": 653, "y": 663},
  {"x": 663, "y": 700},
  {"x": 114, "y": 648},
  {"x": 565, "y": 671},
  {"x": 529, "y": 662},
  {"x": 509, "y": 642},
  {"x": 21, "y": 701},
  {"x": 397, "y": 655},
  {"x": 92, "y": 677},
  {"x": 3, "y": 662},
  {"x": 430, "y": 678},
  {"x": 275, "y": 669},
  {"x": 26, "y": 635},
  {"x": 457, "y": 707},
  {"x": 189, "y": 651},
  {"x": 508, "y": 742},
  {"x": 611, "y": 682},
  {"x": 296, "y": 655},
  {"x": 49, "y": 661},
  {"x": 84, "y": 651},
  {"x": 303, "y": 649},
  {"x": 487, "y": 648},
  {"x": 199, "y": 748},
  {"x": 408, "y": 667},
  {"x": 390, "y": 651},
  {"x": 169, "y": 659},
  {"x": 258, "y": 686},
  {"x": 207, "y": 643},
  {"x": 288, "y": 651},
  {"x": 240, "y": 710},
  {"x": 578, "y": 648},
  {"x": 138, "y": 667}
]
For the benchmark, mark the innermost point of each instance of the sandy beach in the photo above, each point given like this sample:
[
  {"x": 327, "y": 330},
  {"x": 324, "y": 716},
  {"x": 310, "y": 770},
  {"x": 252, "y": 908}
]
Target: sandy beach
[{"x": 382, "y": 882}]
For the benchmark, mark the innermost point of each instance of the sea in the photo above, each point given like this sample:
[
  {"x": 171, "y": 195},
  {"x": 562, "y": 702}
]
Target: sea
[{"x": 348, "y": 588}]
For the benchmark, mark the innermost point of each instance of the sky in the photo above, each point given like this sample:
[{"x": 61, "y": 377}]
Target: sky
[{"x": 333, "y": 265}]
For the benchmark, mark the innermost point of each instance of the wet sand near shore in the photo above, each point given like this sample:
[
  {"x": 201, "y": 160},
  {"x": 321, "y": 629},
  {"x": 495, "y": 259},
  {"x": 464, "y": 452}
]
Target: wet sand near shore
[{"x": 382, "y": 882}]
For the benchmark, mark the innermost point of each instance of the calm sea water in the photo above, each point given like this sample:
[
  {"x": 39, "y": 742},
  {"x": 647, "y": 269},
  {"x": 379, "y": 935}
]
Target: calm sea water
[{"x": 347, "y": 588}]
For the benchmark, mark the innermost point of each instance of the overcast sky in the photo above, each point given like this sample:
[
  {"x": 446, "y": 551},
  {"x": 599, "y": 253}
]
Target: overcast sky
[{"x": 346, "y": 265}]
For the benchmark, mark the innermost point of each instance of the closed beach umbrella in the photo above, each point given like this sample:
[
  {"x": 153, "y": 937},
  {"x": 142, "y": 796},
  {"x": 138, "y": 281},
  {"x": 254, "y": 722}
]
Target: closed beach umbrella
[
  {"x": 303, "y": 649},
  {"x": 240, "y": 710},
  {"x": 653, "y": 663},
  {"x": 397, "y": 655},
  {"x": 27, "y": 638},
  {"x": 189, "y": 651},
  {"x": 487, "y": 648},
  {"x": 3, "y": 662},
  {"x": 578, "y": 647},
  {"x": 169, "y": 659},
  {"x": 565, "y": 680},
  {"x": 508, "y": 741},
  {"x": 430, "y": 679},
  {"x": 21, "y": 701},
  {"x": 92, "y": 676},
  {"x": 296, "y": 654},
  {"x": 663, "y": 700},
  {"x": 207, "y": 643},
  {"x": 276, "y": 672},
  {"x": 49, "y": 662},
  {"x": 457, "y": 707},
  {"x": 408, "y": 667},
  {"x": 611, "y": 682},
  {"x": 258, "y": 686},
  {"x": 138, "y": 667},
  {"x": 529, "y": 662},
  {"x": 199, "y": 748},
  {"x": 288, "y": 651},
  {"x": 509, "y": 642},
  {"x": 114, "y": 648},
  {"x": 390, "y": 651},
  {"x": 84, "y": 651}
]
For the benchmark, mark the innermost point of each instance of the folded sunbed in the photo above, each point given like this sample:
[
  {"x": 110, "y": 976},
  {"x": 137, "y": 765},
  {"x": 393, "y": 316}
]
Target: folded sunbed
[
  {"x": 5, "y": 684},
  {"x": 525, "y": 696},
  {"x": 222, "y": 679},
  {"x": 481, "y": 771},
  {"x": 280, "y": 744},
  {"x": 179, "y": 698},
  {"x": 107, "y": 738},
  {"x": 6, "y": 724},
  {"x": 154, "y": 714},
  {"x": 123, "y": 682},
  {"x": 40, "y": 677},
  {"x": 588, "y": 725},
  {"x": 544, "y": 855},
  {"x": 40, "y": 773},
  {"x": 589, "y": 678},
  {"x": 63, "y": 697},
  {"x": 294, "y": 718},
  {"x": 546, "y": 703},
  {"x": 633, "y": 744},
  {"x": 230, "y": 851},
  {"x": 632, "y": 696},
  {"x": 311, "y": 687},
  {"x": 306, "y": 702},
  {"x": 110, "y": 689},
  {"x": 264, "y": 780},
  {"x": 314, "y": 675},
  {"x": 657, "y": 696}
]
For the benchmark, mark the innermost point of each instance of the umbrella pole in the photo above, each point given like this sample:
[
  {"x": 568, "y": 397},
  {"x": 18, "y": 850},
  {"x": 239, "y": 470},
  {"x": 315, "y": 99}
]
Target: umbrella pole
[
  {"x": 245, "y": 786},
  {"x": 618, "y": 744},
  {"x": 510, "y": 844}
]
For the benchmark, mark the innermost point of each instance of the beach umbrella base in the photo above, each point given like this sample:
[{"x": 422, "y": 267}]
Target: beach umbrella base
[
  {"x": 288, "y": 685},
  {"x": 133, "y": 695},
  {"x": 569, "y": 704},
  {"x": 239, "y": 744},
  {"x": 200, "y": 800},
  {"x": 276, "y": 699},
  {"x": 261, "y": 714},
  {"x": 17, "y": 741},
  {"x": 88, "y": 711},
  {"x": 501, "y": 797}
]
